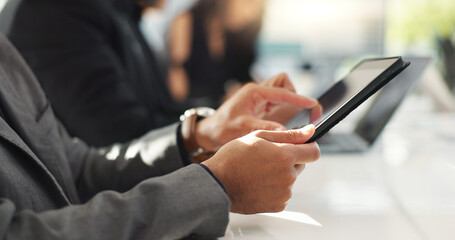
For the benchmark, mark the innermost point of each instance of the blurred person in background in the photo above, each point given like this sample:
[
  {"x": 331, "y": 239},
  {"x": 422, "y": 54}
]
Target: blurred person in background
[
  {"x": 95, "y": 66},
  {"x": 156, "y": 21},
  {"x": 211, "y": 48}
]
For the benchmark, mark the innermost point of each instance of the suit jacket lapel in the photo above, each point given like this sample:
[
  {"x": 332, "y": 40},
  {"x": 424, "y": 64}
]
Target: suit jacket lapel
[
  {"x": 21, "y": 116},
  {"x": 9, "y": 135}
]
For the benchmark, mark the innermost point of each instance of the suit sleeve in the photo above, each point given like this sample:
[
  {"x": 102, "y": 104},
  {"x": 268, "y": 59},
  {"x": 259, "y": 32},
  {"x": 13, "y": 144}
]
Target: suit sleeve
[
  {"x": 168, "y": 206},
  {"x": 122, "y": 166},
  {"x": 186, "y": 202}
]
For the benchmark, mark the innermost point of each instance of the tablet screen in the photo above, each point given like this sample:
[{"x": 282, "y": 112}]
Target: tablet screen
[{"x": 341, "y": 92}]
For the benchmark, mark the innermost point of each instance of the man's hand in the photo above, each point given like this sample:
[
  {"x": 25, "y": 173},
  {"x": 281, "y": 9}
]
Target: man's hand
[
  {"x": 284, "y": 111},
  {"x": 248, "y": 110},
  {"x": 259, "y": 169}
]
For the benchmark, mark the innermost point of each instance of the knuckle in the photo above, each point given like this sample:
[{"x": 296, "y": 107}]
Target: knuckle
[
  {"x": 285, "y": 156},
  {"x": 286, "y": 180},
  {"x": 280, "y": 207},
  {"x": 288, "y": 194},
  {"x": 316, "y": 151},
  {"x": 312, "y": 153},
  {"x": 250, "y": 87},
  {"x": 291, "y": 156},
  {"x": 258, "y": 144},
  {"x": 260, "y": 141},
  {"x": 255, "y": 148},
  {"x": 290, "y": 180},
  {"x": 300, "y": 168}
]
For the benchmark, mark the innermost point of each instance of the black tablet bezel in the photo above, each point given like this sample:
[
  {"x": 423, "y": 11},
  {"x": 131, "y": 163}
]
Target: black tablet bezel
[{"x": 339, "y": 114}]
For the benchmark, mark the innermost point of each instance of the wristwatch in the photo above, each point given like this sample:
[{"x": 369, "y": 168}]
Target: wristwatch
[{"x": 188, "y": 130}]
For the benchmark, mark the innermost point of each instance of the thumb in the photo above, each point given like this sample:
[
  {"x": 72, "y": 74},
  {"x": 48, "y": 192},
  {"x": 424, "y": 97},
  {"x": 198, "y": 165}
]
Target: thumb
[{"x": 295, "y": 136}]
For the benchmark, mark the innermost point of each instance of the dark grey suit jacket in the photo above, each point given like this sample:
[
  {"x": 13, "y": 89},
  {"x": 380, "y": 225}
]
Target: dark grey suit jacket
[{"x": 53, "y": 186}]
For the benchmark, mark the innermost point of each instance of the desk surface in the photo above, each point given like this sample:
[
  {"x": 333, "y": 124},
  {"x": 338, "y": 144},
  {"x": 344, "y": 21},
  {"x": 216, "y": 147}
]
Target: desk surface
[{"x": 402, "y": 188}]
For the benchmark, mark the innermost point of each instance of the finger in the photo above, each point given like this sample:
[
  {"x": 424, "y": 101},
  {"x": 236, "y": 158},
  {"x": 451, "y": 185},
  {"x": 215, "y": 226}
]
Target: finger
[
  {"x": 253, "y": 124},
  {"x": 280, "y": 95},
  {"x": 281, "y": 81},
  {"x": 282, "y": 113},
  {"x": 303, "y": 153},
  {"x": 295, "y": 136},
  {"x": 316, "y": 113}
]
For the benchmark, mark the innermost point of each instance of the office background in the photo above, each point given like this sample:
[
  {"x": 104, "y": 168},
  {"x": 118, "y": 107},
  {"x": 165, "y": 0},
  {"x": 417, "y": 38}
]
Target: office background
[{"x": 404, "y": 186}]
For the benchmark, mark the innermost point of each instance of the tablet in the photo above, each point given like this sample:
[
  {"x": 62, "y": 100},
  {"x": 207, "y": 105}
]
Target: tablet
[{"x": 344, "y": 96}]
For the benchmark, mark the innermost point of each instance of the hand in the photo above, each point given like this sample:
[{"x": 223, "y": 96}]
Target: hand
[
  {"x": 245, "y": 112},
  {"x": 259, "y": 169},
  {"x": 284, "y": 111}
]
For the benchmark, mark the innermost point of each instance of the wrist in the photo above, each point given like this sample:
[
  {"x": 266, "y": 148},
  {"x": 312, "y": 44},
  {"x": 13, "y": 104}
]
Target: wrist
[
  {"x": 222, "y": 174},
  {"x": 204, "y": 135},
  {"x": 194, "y": 144},
  {"x": 213, "y": 175},
  {"x": 214, "y": 167}
]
